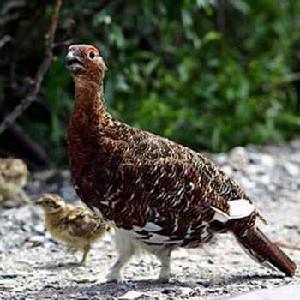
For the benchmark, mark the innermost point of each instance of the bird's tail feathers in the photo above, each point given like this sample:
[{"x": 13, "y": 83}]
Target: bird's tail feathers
[{"x": 261, "y": 249}]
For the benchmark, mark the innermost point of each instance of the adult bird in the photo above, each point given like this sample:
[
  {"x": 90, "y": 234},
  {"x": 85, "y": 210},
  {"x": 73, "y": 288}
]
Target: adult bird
[{"x": 157, "y": 194}]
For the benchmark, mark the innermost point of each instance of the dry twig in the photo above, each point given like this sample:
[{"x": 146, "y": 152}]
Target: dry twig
[
  {"x": 39, "y": 77},
  {"x": 4, "y": 40}
]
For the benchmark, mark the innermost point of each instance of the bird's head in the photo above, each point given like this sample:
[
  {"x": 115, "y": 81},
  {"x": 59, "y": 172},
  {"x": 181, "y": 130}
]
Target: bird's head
[
  {"x": 13, "y": 171},
  {"x": 51, "y": 203},
  {"x": 85, "y": 62}
]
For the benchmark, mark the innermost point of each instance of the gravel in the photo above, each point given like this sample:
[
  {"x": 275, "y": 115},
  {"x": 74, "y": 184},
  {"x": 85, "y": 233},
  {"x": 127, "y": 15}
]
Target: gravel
[{"x": 34, "y": 266}]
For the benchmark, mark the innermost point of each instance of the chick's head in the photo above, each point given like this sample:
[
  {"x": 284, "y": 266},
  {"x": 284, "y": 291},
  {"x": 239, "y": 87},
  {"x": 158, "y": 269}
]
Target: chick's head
[
  {"x": 51, "y": 203},
  {"x": 13, "y": 171}
]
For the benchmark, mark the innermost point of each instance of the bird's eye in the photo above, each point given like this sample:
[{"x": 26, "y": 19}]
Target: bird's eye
[{"x": 91, "y": 54}]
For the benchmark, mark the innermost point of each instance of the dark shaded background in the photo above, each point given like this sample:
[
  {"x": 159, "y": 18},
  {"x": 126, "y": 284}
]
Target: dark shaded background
[{"x": 208, "y": 74}]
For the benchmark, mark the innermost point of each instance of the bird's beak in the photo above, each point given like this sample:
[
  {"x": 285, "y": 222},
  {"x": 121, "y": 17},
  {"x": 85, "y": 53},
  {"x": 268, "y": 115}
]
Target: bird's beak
[
  {"x": 40, "y": 201},
  {"x": 74, "y": 63},
  {"x": 70, "y": 60}
]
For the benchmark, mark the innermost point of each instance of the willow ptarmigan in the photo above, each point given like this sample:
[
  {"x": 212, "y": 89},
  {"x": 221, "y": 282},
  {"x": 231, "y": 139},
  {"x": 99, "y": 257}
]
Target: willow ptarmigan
[
  {"x": 78, "y": 227},
  {"x": 13, "y": 178},
  {"x": 157, "y": 194}
]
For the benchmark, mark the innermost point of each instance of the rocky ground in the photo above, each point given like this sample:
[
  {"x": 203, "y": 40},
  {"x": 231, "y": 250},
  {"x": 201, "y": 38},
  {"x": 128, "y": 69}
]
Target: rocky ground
[{"x": 33, "y": 266}]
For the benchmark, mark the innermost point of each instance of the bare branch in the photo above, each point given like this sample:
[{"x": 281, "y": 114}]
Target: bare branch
[
  {"x": 39, "y": 77},
  {"x": 4, "y": 40}
]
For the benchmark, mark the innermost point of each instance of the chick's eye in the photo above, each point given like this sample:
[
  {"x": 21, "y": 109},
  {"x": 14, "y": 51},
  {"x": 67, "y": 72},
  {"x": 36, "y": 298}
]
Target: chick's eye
[{"x": 91, "y": 54}]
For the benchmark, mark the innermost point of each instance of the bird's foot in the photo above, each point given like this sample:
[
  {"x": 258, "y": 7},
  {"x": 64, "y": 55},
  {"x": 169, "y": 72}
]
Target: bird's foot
[
  {"x": 164, "y": 274},
  {"x": 115, "y": 278},
  {"x": 82, "y": 263},
  {"x": 164, "y": 277}
]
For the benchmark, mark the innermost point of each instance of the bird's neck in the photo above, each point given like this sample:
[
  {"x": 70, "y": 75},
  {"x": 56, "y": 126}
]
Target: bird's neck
[{"x": 90, "y": 109}]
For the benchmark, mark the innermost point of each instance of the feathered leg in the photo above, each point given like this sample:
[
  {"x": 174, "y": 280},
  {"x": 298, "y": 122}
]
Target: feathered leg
[
  {"x": 125, "y": 250},
  {"x": 165, "y": 269}
]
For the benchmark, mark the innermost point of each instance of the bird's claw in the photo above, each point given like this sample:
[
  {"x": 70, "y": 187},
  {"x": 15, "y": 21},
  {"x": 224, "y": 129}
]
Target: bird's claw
[{"x": 112, "y": 278}]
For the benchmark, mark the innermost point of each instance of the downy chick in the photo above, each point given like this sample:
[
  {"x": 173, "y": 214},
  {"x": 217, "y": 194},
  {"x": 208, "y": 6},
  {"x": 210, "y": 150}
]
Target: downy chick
[
  {"x": 13, "y": 177},
  {"x": 78, "y": 227}
]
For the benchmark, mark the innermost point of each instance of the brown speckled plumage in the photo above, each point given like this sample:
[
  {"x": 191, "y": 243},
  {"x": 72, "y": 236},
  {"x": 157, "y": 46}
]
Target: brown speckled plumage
[{"x": 158, "y": 193}]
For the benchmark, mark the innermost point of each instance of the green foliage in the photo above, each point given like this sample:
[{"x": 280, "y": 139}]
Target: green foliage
[
  {"x": 53, "y": 134},
  {"x": 174, "y": 71}
]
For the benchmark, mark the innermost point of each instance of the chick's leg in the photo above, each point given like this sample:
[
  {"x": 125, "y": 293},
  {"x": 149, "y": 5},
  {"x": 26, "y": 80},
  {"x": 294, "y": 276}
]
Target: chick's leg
[
  {"x": 165, "y": 269},
  {"x": 125, "y": 250},
  {"x": 86, "y": 250}
]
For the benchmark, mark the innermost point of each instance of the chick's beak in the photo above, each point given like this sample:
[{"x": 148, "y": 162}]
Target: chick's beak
[{"x": 39, "y": 202}]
